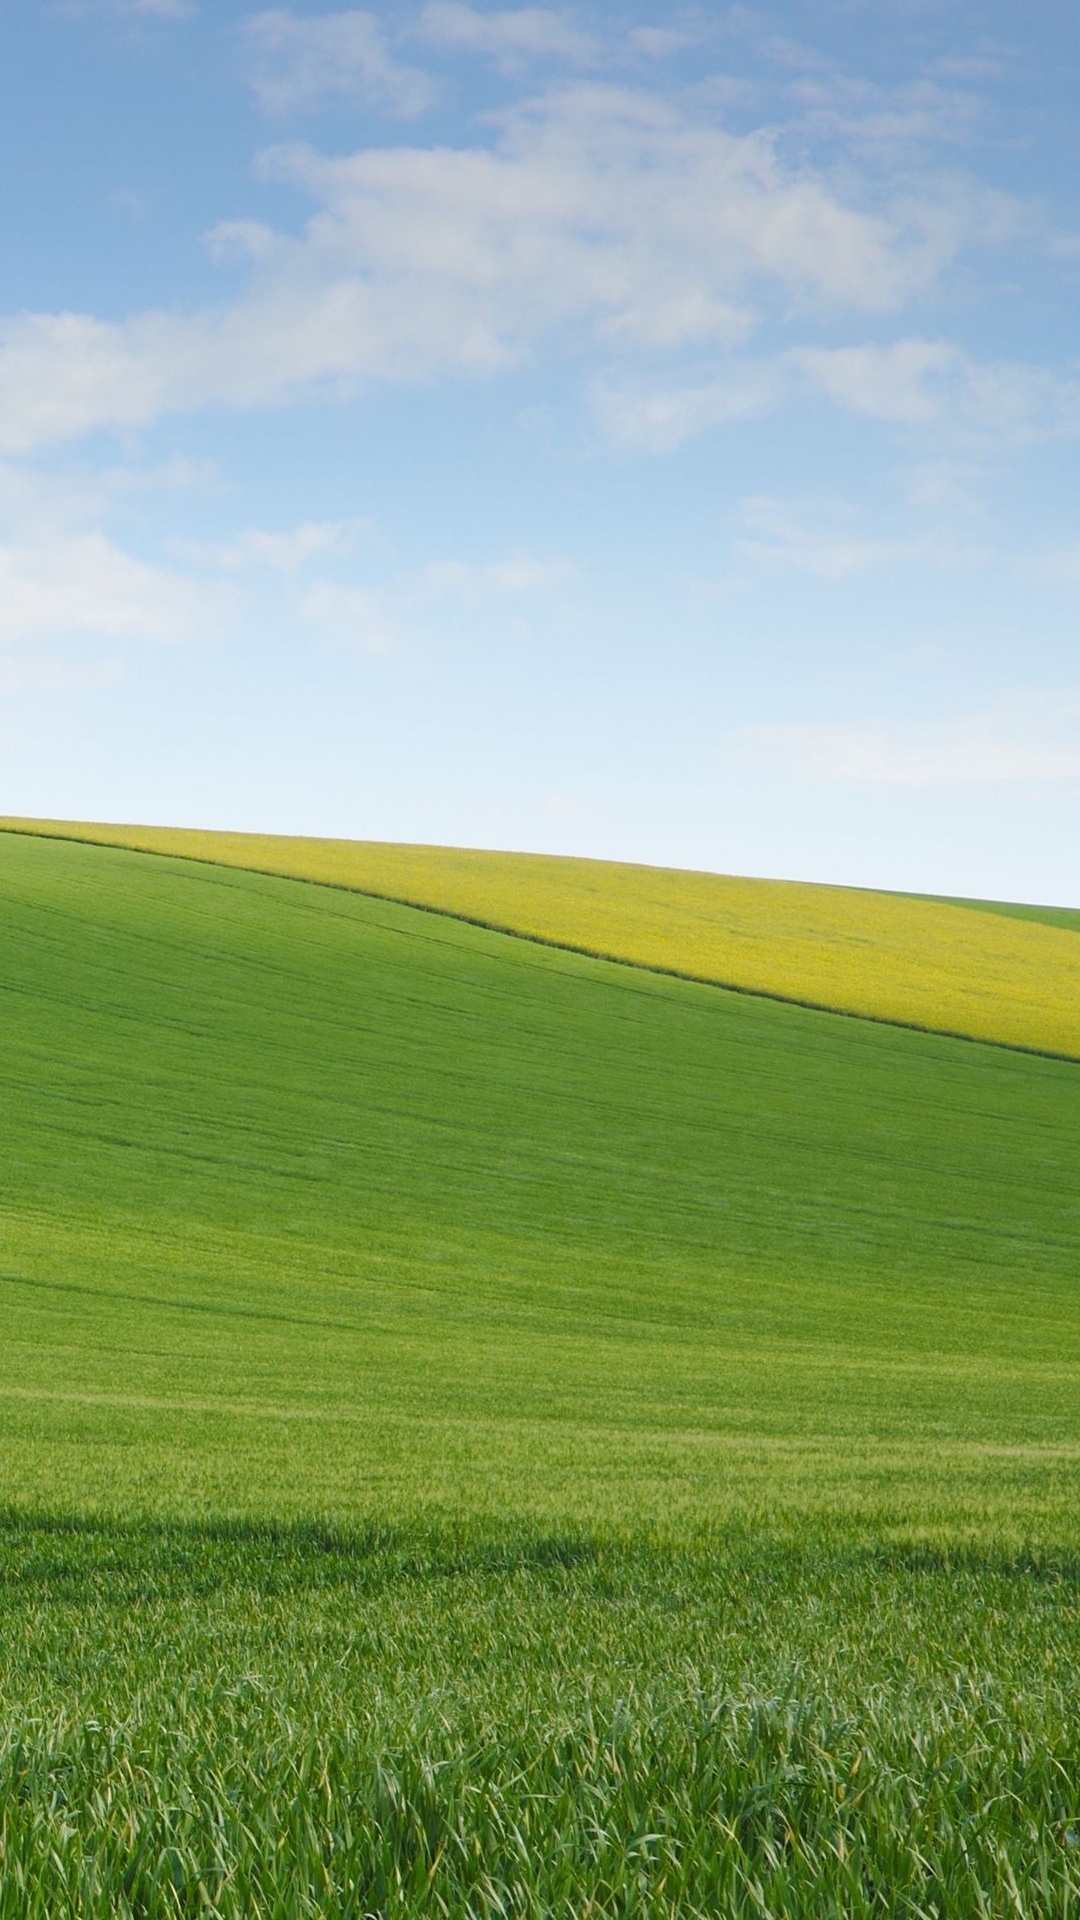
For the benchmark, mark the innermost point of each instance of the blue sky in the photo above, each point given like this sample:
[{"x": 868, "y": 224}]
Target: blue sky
[{"x": 649, "y": 432}]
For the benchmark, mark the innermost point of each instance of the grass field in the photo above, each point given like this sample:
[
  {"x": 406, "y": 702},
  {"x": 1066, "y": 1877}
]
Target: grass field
[
  {"x": 488, "y": 1431},
  {"x": 1000, "y": 972},
  {"x": 215, "y": 1721}
]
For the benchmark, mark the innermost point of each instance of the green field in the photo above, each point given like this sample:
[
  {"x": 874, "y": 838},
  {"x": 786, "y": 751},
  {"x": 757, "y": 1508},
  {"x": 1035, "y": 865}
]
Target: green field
[
  {"x": 1003, "y": 972},
  {"x": 491, "y": 1431}
]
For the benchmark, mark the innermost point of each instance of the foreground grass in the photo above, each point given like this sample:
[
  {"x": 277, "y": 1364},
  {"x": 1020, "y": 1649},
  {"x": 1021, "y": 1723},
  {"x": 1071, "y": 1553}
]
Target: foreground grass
[
  {"x": 984, "y": 970},
  {"x": 318, "y": 1203},
  {"x": 475, "y": 1722}
]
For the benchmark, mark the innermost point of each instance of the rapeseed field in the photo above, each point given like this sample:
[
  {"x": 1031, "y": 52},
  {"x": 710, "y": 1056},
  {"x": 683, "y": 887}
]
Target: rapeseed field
[{"x": 1000, "y": 975}]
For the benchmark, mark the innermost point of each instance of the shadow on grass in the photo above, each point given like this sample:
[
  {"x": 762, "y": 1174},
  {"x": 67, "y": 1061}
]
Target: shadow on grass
[
  {"x": 1057, "y": 1564},
  {"x": 70, "y": 1556},
  {"x": 73, "y": 1557}
]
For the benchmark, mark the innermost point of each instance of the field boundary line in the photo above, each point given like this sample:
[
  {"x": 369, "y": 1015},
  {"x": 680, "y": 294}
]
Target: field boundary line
[{"x": 558, "y": 946}]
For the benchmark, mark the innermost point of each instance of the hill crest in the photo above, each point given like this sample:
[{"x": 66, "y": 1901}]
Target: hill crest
[{"x": 977, "y": 970}]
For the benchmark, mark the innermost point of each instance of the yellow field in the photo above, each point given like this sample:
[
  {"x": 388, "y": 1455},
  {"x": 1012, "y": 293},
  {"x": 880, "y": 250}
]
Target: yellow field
[{"x": 921, "y": 963}]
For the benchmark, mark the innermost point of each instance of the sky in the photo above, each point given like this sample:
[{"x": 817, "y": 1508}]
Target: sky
[{"x": 637, "y": 431}]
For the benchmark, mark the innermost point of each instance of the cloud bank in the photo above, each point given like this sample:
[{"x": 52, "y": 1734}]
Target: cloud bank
[{"x": 603, "y": 219}]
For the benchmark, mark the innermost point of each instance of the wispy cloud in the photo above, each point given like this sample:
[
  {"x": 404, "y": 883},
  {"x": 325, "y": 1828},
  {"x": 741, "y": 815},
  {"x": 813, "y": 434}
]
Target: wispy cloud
[
  {"x": 906, "y": 382},
  {"x": 39, "y": 673},
  {"x": 87, "y": 585},
  {"x": 600, "y": 218},
  {"x": 282, "y": 551},
  {"x": 381, "y": 619},
  {"x": 1029, "y": 740},
  {"x": 66, "y": 578},
  {"x": 303, "y": 60},
  {"x": 166, "y": 10},
  {"x": 889, "y": 121},
  {"x": 830, "y": 540},
  {"x": 513, "y": 38},
  {"x": 961, "y": 409},
  {"x": 658, "y": 43},
  {"x": 519, "y": 573},
  {"x": 352, "y": 614},
  {"x": 933, "y": 383},
  {"x": 641, "y": 419}
]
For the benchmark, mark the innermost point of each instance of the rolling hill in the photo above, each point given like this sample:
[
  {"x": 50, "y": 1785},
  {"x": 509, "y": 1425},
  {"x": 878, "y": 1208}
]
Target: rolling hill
[
  {"x": 495, "y": 1431},
  {"x": 319, "y": 1202},
  {"x": 1012, "y": 977}
]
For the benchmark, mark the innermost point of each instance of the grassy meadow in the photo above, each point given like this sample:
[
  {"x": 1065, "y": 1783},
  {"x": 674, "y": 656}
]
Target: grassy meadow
[
  {"x": 1005, "y": 973},
  {"x": 240, "y": 1722},
  {"x": 489, "y": 1431}
]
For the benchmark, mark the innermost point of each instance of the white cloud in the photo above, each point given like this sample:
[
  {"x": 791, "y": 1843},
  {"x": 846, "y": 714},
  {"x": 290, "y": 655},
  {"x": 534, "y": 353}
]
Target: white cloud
[
  {"x": 1053, "y": 563},
  {"x": 42, "y": 508},
  {"x": 656, "y": 43},
  {"x": 659, "y": 421},
  {"x": 161, "y": 9},
  {"x": 827, "y": 541},
  {"x": 946, "y": 486},
  {"x": 877, "y": 119},
  {"x": 353, "y": 614},
  {"x": 600, "y": 217},
  {"x": 930, "y": 386},
  {"x": 86, "y": 585},
  {"x": 257, "y": 549},
  {"x": 901, "y": 382},
  {"x": 1028, "y": 740},
  {"x": 1015, "y": 401},
  {"x": 518, "y": 574},
  {"x": 927, "y": 385},
  {"x": 932, "y": 383},
  {"x": 305, "y": 59},
  {"x": 65, "y": 579},
  {"x": 248, "y": 239},
  {"x": 511, "y": 37},
  {"x": 129, "y": 9},
  {"x": 63, "y": 374},
  {"x": 382, "y": 619},
  {"x": 37, "y": 674}
]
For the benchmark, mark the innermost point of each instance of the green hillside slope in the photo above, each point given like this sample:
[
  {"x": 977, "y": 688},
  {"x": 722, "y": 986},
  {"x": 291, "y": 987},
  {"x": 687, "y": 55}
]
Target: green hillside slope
[
  {"x": 489, "y": 1432},
  {"x": 1066, "y": 917},
  {"x": 317, "y": 1204},
  {"x": 923, "y": 963}
]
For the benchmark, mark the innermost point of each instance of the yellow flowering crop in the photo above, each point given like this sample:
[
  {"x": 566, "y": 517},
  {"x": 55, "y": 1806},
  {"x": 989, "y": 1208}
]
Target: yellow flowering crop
[{"x": 922, "y": 963}]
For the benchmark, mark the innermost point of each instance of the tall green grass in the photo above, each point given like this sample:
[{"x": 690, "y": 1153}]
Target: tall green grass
[
  {"x": 489, "y": 1433},
  {"x": 478, "y": 1723}
]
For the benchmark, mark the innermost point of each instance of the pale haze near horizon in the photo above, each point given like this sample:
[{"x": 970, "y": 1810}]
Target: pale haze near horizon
[{"x": 641, "y": 433}]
